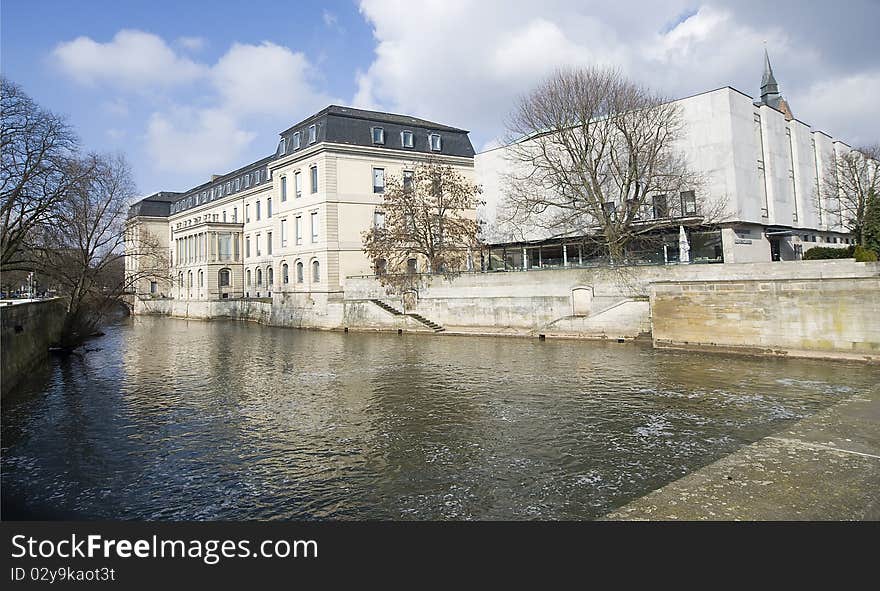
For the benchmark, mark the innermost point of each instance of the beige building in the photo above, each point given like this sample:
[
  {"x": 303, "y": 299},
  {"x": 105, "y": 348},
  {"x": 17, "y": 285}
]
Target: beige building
[{"x": 290, "y": 225}]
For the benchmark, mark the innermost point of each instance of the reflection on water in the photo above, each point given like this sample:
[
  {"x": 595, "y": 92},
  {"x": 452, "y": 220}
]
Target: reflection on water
[{"x": 223, "y": 420}]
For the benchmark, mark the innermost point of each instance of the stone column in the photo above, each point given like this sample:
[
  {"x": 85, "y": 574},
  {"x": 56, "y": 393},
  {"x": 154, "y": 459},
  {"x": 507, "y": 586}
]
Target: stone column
[
  {"x": 564, "y": 255},
  {"x": 525, "y": 259}
]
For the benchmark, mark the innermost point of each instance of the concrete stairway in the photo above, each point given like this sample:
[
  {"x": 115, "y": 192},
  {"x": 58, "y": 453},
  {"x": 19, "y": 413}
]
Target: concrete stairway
[{"x": 417, "y": 317}]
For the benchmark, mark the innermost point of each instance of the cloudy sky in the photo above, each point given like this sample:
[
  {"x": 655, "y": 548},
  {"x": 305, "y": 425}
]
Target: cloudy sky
[{"x": 187, "y": 89}]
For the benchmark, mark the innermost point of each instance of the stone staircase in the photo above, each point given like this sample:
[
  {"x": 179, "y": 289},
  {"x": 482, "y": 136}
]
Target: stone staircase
[{"x": 417, "y": 317}]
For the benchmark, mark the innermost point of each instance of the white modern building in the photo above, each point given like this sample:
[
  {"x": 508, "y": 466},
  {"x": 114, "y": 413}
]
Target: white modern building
[{"x": 765, "y": 165}]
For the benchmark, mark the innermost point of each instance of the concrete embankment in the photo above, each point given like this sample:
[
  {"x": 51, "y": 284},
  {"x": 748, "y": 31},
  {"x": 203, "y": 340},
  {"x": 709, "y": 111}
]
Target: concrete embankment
[
  {"x": 822, "y": 309},
  {"x": 28, "y": 329},
  {"x": 826, "y": 467}
]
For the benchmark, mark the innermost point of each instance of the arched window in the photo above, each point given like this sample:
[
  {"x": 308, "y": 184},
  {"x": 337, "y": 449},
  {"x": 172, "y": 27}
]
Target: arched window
[
  {"x": 381, "y": 266},
  {"x": 189, "y": 278},
  {"x": 180, "y": 279},
  {"x": 201, "y": 279},
  {"x": 316, "y": 272},
  {"x": 285, "y": 278},
  {"x": 299, "y": 272},
  {"x": 412, "y": 266},
  {"x": 224, "y": 277},
  {"x": 259, "y": 277},
  {"x": 270, "y": 276},
  {"x": 248, "y": 276}
]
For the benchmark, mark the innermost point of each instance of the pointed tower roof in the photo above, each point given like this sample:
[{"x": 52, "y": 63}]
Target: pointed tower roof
[
  {"x": 768, "y": 82},
  {"x": 770, "y": 95}
]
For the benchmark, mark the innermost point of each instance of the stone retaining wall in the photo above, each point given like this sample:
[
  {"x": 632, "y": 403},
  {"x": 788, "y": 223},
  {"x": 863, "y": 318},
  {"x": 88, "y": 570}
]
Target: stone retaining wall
[{"x": 28, "y": 329}]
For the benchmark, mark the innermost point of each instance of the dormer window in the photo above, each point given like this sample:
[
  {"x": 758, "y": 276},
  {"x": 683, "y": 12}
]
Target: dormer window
[
  {"x": 434, "y": 141},
  {"x": 313, "y": 134},
  {"x": 282, "y": 147},
  {"x": 406, "y": 139},
  {"x": 378, "y": 135},
  {"x": 296, "y": 142}
]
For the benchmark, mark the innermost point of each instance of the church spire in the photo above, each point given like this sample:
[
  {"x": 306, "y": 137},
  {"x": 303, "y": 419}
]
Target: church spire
[
  {"x": 770, "y": 95},
  {"x": 768, "y": 82}
]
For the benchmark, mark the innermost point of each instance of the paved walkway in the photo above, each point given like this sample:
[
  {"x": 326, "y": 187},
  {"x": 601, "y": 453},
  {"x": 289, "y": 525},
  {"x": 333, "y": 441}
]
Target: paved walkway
[{"x": 827, "y": 467}]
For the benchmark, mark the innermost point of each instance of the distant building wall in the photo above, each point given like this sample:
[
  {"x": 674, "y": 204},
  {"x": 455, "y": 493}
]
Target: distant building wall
[{"x": 28, "y": 330}]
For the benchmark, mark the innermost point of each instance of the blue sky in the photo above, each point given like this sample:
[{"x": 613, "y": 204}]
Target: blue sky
[{"x": 187, "y": 89}]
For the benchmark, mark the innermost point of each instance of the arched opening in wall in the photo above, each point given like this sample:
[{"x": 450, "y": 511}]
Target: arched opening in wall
[
  {"x": 581, "y": 301},
  {"x": 270, "y": 276},
  {"x": 299, "y": 272},
  {"x": 316, "y": 272},
  {"x": 410, "y": 299},
  {"x": 224, "y": 277},
  {"x": 285, "y": 276},
  {"x": 180, "y": 279},
  {"x": 248, "y": 277},
  {"x": 259, "y": 277},
  {"x": 201, "y": 279},
  {"x": 412, "y": 266},
  {"x": 381, "y": 266},
  {"x": 189, "y": 279}
]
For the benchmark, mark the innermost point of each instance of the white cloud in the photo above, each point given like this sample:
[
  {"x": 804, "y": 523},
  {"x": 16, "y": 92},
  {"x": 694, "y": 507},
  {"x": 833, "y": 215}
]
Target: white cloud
[
  {"x": 465, "y": 62},
  {"x": 195, "y": 141},
  {"x": 330, "y": 19},
  {"x": 134, "y": 59},
  {"x": 117, "y": 107},
  {"x": 266, "y": 79},
  {"x": 845, "y": 107},
  {"x": 192, "y": 43}
]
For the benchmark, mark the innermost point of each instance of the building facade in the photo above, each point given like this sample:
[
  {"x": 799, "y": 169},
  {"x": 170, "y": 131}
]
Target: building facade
[
  {"x": 767, "y": 167},
  {"x": 289, "y": 226}
]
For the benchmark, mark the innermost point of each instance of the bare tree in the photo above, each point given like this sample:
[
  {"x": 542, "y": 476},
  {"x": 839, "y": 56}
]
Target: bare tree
[
  {"x": 428, "y": 214},
  {"x": 594, "y": 154},
  {"x": 850, "y": 180},
  {"x": 38, "y": 169},
  {"x": 83, "y": 252}
]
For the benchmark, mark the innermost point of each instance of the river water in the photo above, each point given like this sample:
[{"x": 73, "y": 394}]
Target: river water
[{"x": 180, "y": 420}]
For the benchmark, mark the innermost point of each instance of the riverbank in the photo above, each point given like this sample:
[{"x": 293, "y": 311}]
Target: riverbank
[
  {"x": 816, "y": 309},
  {"x": 826, "y": 467}
]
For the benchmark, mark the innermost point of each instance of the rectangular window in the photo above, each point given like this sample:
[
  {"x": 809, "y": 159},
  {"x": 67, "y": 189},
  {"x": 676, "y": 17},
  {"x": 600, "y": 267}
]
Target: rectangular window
[
  {"x": 284, "y": 188},
  {"x": 257, "y": 239},
  {"x": 378, "y": 135},
  {"x": 434, "y": 141},
  {"x": 314, "y": 218},
  {"x": 268, "y": 207},
  {"x": 660, "y": 208},
  {"x": 379, "y": 219},
  {"x": 225, "y": 246},
  {"x": 406, "y": 139},
  {"x": 314, "y": 175},
  {"x": 378, "y": 180},
  {"x": 268, "y": 242},
  {"x": 247, "y": 181},
  {"x": 283, "y": 233},
  {"x": 258, "y": 211},
  {"x": 235, "y": 214},
  {"x": 296, "y": 140},
  {"x": 688, "y": 203},
  {"x": 224, "y": 216},
  {"x": 297, "y": 184},
  {"x": 247, "y": 247},
  {"x": 298, "y": 229},
  {"x": 407, "y": 180},
  {"x": 237, "y": 185},
  {"x": 247, "y": 213},
  {"x": 313, "y": 134}
]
